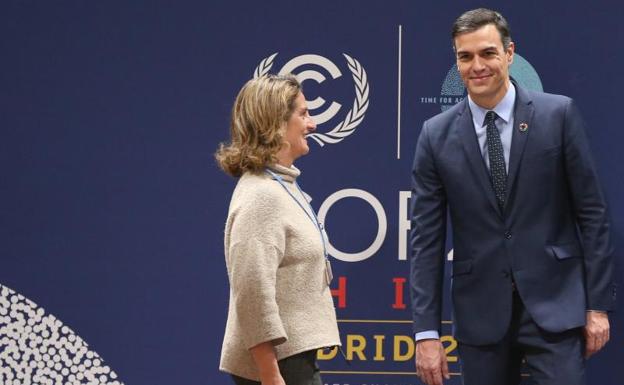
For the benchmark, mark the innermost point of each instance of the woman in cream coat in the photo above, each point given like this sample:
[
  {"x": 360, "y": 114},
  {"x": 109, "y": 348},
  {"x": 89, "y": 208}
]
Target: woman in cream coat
[{"x": 280, "y": 311}]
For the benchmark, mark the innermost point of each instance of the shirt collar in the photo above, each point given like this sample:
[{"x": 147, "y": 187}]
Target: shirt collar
[{"x": 503, "y": 109}]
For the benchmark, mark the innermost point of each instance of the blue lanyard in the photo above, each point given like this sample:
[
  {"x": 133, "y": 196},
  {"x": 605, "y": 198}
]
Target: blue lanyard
[{"x": 312, "y": 217}]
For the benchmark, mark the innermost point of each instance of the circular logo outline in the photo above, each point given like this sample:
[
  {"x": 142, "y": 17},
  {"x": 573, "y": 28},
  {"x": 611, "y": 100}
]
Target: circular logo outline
[{"x": 353, "y": 118}]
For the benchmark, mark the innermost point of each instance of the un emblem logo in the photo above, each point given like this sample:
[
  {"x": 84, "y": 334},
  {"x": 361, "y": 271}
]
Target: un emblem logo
[{"x": 353, "y": 117}]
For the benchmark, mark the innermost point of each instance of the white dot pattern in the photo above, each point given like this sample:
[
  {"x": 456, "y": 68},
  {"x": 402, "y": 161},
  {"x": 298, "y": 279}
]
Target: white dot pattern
[
  {"x": 37, "y": 349},
  {"x": 498, "y": 172}
]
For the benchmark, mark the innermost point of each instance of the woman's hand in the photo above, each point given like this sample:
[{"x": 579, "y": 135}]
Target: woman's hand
[
  {"x": 278, "y": 380},
  {"x": 266, "y": 360}
]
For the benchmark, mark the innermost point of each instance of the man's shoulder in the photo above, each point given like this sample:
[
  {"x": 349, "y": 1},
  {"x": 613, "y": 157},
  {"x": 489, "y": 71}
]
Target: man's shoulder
[{"x": 547, "y": 100}]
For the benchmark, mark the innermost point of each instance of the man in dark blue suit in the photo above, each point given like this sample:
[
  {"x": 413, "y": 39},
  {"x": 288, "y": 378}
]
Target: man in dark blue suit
[{"x": 532, "y": 266}]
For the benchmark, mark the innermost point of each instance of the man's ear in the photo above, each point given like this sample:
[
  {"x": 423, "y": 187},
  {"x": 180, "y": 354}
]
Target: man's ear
[{"x": 510, "y": 52}]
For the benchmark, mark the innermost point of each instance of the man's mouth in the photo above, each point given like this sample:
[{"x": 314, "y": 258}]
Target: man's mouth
[{"x": 481, "y": 77}]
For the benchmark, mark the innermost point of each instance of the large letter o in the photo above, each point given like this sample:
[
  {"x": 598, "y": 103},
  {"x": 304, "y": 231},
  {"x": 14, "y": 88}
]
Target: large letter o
[{"x": 381, "y": 223}]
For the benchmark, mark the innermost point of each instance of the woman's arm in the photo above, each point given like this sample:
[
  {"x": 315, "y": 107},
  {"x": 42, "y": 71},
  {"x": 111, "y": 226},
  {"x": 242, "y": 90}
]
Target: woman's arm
[{"x": 266, "y": 361}]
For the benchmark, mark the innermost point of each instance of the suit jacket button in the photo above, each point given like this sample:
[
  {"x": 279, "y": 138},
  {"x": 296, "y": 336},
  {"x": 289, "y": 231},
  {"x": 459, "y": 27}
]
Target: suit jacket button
[{"x": 508, "y": 234}]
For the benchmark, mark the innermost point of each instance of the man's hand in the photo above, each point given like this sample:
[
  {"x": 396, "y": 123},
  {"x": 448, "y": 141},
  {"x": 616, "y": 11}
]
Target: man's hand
[
  {"x": 596, "y": 332},
  {"x": 431, "y": 363}
]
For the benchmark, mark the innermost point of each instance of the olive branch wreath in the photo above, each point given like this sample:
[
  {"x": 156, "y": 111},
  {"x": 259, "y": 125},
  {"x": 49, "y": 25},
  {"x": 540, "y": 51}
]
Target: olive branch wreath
[{"x": 353, "y": 118}]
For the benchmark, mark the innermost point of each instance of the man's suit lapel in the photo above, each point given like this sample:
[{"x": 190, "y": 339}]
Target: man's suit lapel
[
  {"x": 470, "y": 144},
  {"x": 523, "y": 115}
]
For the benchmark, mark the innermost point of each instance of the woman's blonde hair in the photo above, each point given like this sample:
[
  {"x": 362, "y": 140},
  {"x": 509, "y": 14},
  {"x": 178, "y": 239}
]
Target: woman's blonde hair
[{"x": 259, "y": 116}]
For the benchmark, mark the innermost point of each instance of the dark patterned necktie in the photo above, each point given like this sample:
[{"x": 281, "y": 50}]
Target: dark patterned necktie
[{"x": 498, "y": 173}]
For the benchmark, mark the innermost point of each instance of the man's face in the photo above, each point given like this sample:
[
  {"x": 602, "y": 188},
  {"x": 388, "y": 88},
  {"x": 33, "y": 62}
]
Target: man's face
[{"x": 483, "y": 64}]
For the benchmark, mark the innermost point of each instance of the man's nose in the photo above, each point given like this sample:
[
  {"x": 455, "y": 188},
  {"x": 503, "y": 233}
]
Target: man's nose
[{"x": 478, "y": 64}]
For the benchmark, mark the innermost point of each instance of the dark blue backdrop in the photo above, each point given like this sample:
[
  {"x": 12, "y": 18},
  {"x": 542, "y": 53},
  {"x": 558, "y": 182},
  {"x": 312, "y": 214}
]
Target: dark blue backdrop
[{"x": 112, "y": 208}]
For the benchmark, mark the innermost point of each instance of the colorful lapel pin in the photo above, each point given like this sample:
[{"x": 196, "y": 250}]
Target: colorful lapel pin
[{"x": 523, "y": 127}]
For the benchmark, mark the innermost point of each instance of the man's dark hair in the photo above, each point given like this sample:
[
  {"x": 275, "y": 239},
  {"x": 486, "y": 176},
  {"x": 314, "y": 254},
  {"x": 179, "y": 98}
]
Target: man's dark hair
[{"x": 474, "y": 19}]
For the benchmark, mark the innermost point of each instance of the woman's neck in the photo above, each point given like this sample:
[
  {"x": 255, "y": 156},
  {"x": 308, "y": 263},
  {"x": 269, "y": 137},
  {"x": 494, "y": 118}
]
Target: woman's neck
[{"x": 284, "y": 159}]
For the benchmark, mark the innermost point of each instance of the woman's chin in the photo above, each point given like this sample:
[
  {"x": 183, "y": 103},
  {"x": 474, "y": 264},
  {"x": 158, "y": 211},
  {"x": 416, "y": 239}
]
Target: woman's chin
[{"x": 304, "y": 149}]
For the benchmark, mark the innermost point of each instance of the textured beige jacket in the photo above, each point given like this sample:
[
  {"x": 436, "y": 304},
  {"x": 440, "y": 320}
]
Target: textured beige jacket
[{"x": 276, "y": 268}]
